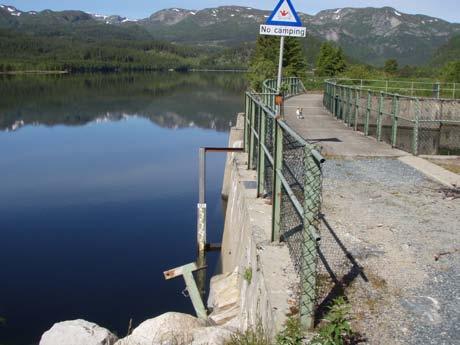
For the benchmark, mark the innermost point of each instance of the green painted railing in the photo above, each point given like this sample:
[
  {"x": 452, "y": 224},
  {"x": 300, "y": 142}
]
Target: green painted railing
[
  {"x": 414, "y": 88},
  {"x": 289, "y": 173},
  {"x": 407, "y": 123}
]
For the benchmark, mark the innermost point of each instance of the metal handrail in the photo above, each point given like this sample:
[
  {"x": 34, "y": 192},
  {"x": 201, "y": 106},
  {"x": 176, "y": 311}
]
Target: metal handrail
[
  {"x": 267, "y": 156},
  {"x": 438, "y": 90},
  {"x": 344, "y": 102}
]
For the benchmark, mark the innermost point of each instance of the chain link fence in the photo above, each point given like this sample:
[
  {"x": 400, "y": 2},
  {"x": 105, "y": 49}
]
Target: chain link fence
[
  {"x": 413, "y": 124},
  {"x": 413, "y": 88},
  {"x": 289, "y": 172}
]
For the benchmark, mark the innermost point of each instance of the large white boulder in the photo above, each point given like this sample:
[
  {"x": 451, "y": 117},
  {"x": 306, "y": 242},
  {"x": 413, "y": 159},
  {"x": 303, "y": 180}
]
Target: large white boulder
[
  {"x": 166, "y": 329},
  {"x": 211, "y": 336},
  {"x": 77, "y": 332}
]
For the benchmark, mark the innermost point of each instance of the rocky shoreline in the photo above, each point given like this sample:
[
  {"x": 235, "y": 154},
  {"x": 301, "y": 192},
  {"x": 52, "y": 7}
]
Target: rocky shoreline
[{"x": 168, "y": 329}]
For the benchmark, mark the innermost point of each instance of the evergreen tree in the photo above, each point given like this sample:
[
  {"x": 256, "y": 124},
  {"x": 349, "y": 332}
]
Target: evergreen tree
[
  {"x": 331, "y": 61},
  {"x": 264, "y": 61},
  {"x": 391, "y": 66},
  {"x": 451, "y": 72}
]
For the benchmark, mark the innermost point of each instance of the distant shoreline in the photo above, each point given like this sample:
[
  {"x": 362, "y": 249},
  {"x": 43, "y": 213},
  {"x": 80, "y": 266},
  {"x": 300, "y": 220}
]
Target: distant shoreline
[
  {"x": 67, "y": 72},
  {"x": 33, "y": 72},
  {"x": 218, "y": 70}
]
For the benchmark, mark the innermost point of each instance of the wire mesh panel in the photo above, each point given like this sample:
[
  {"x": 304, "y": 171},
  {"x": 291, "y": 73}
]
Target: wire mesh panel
[
  {"x": 373, "y": 115},
  {"x": 416, "y": 125},
  {"x": 336, "y": 270},
  {"x": 291, "y": 221},
  {"x": 288, "y": 170},
  {"x": 386, "y": 121},
  {"x": 428, "y": 126},
  {"x": 361, "y": 113},
  {"x": 269, "y": 143},
  {"x": 255, "y": 129}
]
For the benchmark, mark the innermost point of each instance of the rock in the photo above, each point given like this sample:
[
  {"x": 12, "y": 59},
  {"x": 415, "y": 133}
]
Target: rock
[
  {"x": 77, "y": 332},
  {"x": 211, "y": 335},
  {"x": 223, "y": 316},
  {"x": 424, "y": 308},
  {"x": 224, "y": 298},
  {"x": 166, "y": 329}
]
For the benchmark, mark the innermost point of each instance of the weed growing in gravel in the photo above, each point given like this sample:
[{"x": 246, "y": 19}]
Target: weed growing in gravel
[
  {"x": 291, "y": 334},
  {"x": 336, "y": 329}
]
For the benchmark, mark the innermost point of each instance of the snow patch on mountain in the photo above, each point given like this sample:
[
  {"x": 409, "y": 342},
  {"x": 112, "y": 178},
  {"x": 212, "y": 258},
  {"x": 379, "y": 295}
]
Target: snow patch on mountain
[{"x": 12, "y": 10}]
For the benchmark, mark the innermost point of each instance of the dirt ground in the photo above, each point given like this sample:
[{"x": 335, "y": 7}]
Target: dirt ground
[
  {"x": 452, "y": 164},
  {"x": 390, "y": 244}
]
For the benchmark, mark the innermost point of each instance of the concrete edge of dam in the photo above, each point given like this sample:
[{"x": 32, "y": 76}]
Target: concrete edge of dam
[{"x": 266, "y": 277}]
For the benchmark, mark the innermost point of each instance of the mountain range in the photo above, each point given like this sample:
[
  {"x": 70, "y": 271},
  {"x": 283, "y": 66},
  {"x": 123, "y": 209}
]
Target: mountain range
[{"x": 369, "y": 35}]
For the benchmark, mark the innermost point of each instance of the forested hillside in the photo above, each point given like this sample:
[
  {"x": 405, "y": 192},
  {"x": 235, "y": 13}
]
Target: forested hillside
[
  {"x": 213, "y": 38},
  {"x": 76, "y": 41},
  {"x": 448, "y": 52}
]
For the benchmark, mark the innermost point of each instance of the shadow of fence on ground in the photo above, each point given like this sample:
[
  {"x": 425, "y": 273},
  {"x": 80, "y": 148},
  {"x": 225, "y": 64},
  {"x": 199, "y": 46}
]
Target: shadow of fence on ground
[{"x": 338, "y": 271}]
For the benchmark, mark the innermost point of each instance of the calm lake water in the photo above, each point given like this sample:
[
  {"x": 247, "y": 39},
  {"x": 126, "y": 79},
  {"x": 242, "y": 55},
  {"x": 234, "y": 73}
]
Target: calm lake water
[{"x": 98, "y": 185}]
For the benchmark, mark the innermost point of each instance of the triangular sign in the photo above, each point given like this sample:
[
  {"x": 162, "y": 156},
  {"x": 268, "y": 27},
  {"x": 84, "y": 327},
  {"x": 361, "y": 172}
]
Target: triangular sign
[{"x": 284, "y": 14}]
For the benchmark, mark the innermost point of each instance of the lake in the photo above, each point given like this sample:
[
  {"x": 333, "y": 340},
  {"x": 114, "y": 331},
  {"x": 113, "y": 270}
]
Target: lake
[{"x": 99, "y": 186}]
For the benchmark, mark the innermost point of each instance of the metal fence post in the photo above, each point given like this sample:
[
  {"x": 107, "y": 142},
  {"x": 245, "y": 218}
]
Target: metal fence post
[
  {"x": 347, "y": 105},
  {"x": 246, "y": 114},
  {"x": 326, "y": 95},
  {"x": 416, "y": 128},
  {"x": 340, "y": 103},
  {"x": 252, "y": 137},
  {"x": 350, "y": 106},
  {"x": 394, "y": 129},
  {"x": 437, "y": 90},
  {"x": 379, "y": 118},
  {"x": 335, "y": 102},
  {"x": 368, "y": 113},
  {"x": 261, "y": 163},
  {"x": 312, "y": 199},
  {"x": 276, "y": 194},
  {"x": 357, "y": 99}
]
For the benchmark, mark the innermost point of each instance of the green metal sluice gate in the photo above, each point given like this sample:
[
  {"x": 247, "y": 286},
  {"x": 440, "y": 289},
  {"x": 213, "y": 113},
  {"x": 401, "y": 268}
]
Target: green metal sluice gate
[
  {"x": 419, "y": 125},
  {"x": 289, "y": 173}
]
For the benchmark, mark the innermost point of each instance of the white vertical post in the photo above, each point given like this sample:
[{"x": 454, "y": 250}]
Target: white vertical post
[
  {"x": 280, "y": 64},
  {"x": 201, "y": 226},
  {"x": 201, "y": 231}
]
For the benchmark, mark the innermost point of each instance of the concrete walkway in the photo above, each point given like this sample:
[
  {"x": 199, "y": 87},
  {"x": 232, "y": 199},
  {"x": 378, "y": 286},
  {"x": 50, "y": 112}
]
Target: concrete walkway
[
  {"x": 333, "y": 135},
  {"x": 390, "y": 236}
]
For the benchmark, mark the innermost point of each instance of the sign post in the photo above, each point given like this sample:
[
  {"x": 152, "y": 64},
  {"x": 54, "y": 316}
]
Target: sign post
[{"x": 285, "y": 22}]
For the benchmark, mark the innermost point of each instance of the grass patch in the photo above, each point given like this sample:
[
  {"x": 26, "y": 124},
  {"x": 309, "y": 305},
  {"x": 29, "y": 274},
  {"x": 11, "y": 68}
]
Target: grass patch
[
  {"x": 250, "y": 337},
  {"x": 451, "y": 166},
  {"x": 291, "y": 334}
]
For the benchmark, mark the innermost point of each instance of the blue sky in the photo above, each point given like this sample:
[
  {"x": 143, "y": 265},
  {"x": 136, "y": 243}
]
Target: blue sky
[{"x": 446, "y": 9}]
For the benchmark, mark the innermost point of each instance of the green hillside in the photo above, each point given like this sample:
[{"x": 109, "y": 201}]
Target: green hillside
[{"x": 448, "y": 52}]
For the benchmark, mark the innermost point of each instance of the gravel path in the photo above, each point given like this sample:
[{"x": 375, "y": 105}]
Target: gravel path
[{"x": 393, "y": 223}]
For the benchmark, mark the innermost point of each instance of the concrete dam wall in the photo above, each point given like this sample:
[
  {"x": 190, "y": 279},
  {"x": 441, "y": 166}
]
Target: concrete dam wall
[{"x": 266, "y": 278}]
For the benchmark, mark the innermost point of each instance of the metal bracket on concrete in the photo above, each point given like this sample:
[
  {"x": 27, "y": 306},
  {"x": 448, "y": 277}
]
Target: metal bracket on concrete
[{"x": 187, "y": 272}]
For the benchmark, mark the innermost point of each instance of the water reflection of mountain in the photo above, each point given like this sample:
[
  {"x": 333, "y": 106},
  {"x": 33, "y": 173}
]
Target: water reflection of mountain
[{"x": 172, "y": 100}]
